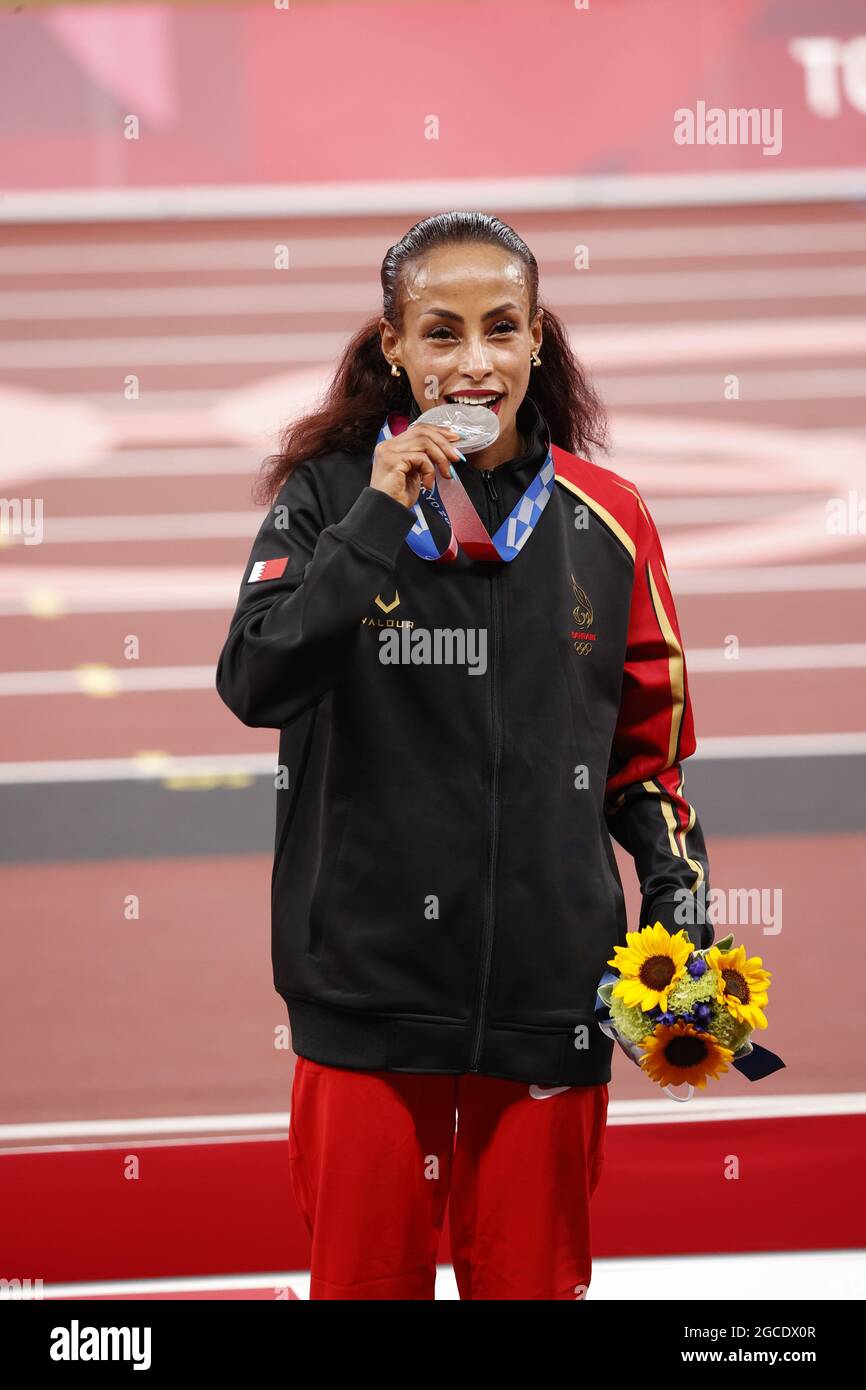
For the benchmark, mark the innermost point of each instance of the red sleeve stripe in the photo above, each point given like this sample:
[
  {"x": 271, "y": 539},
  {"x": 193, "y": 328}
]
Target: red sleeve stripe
[{"x": 679, "y": 816}]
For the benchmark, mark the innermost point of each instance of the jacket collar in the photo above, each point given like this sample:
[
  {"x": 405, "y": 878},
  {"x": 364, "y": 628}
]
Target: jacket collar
[{"x": 520, "y": 470}]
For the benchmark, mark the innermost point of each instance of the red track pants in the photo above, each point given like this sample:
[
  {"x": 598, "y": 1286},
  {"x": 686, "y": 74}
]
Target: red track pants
[{"x": 373, "y": 1158}]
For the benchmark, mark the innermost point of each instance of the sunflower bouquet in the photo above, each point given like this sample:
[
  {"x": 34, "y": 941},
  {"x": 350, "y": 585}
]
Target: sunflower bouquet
[{"x": 686, "y": 1015}]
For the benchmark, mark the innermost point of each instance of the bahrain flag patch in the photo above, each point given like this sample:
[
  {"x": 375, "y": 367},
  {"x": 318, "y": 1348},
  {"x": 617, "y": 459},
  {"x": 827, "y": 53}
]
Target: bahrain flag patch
[{"x": 267, "y": 569}]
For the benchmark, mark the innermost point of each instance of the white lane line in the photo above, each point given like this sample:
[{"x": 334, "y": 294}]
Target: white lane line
[
  {"x": 648, "y": 1109},
  {"x": 150, "y": 768},
  {"x": 204, "y": 525},
  {"x": 47, "y": 600},
  {"x": 712, "y": 509},
  {"x": 178, "y": 1140},
  {"x": 830, "y": 656},
  {"x": 175, "y": 462},
  {"x": 830, "y": 383},
  {"x": 835, "y": 1275},
  {"x": 269, "y": 1284},
  {"x": 206, "y": 255},
  {"x": 176, "y": 1127},
  {"x": 827, "y": 1274},
  {"x": 56, "y": 590},
  {"x": 102, "y": 680},
  {"x": 178, "y": 350},
  {"x": 621, "y": 345},
  {"x": 618, "y": 345},
  {"x": 159, "y": 526},
  {"x": 234, "y": 1127},
  {"x": 674, "y": 388},
  {"x": 282, "y": 297},
  {"x": 545, "y": 193},
  {"x": 216, "y": 769},
  {"x": 60, "y": 591},
  {"x": 719, "y": 747},
  {"x": 769, "y": 579},
  {"x": 277, "y": 299},
  {"x": 628, "y": 343},
  {"x": 231, "y": 460}
]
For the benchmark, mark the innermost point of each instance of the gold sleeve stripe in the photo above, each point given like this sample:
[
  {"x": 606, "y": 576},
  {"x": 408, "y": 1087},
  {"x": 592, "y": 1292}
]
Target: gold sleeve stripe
[
  {"x": 625, "y": 487},
  {"x": 640, "y": 503},
  {"x": 670, "y": 819},
  {"x": 678, "y": 846},
  {"x": 675, "y": 668},
  {"x": 610, "y": 521},
  {"x": 647, "y": 515},
  {"x": 693, "y": 863}
]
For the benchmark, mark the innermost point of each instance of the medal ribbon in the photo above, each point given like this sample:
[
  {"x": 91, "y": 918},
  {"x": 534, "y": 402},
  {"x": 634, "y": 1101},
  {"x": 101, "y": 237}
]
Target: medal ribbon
[{"x": 451, "y": 500}]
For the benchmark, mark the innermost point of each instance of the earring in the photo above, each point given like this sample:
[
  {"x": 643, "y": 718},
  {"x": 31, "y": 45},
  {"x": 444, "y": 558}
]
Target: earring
[
  {"x": 534, "y": 358},
  {"x": 395, "y": 370}
]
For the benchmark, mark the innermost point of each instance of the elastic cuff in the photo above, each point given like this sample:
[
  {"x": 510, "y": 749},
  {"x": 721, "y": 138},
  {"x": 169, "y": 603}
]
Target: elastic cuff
[{"x": 377, "y": 522}]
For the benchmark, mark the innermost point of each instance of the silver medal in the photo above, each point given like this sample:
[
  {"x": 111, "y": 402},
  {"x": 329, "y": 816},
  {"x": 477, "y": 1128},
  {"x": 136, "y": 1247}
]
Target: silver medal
[{"x": 478, "y": 426}]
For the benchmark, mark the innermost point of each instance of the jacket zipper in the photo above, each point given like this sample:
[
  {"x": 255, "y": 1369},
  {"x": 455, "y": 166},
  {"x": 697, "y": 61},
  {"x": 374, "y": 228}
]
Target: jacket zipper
[
  {"x": 487, "y": 939},
  {"x": 487, "y": 475}
]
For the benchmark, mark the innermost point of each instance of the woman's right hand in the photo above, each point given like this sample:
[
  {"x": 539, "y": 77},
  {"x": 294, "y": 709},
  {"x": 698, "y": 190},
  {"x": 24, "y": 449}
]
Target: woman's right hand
[{"x": 406, "y": 462}]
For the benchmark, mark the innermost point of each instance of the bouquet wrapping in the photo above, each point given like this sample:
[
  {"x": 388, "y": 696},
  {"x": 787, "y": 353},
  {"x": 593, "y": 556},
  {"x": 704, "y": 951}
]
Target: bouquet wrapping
[{"x": 684, "y": 1015}]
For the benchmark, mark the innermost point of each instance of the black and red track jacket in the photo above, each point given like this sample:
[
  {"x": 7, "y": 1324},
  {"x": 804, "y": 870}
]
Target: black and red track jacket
[{"x": 445, "y": 895}]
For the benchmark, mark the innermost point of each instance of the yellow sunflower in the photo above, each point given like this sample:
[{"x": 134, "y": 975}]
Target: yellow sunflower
[
  {"x": 743, "y": 984},
  {"x": 649, "y": 966},
  {"x": 679, "y": 1053}
]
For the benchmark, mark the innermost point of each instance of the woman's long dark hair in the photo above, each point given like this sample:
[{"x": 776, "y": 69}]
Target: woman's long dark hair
[{"x": 363, "y": 391}]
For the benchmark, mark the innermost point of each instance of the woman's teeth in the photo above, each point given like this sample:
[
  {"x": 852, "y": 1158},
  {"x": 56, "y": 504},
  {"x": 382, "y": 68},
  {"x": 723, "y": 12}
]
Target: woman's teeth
[{"x": 473, "y": 400}]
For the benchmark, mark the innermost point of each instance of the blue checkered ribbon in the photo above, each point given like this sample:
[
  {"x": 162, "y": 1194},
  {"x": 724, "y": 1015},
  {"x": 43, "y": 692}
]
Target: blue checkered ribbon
[{"x": 511, "y": 536}]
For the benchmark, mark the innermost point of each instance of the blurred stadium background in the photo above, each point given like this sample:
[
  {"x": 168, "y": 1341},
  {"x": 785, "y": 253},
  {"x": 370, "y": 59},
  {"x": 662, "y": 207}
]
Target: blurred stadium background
[{"x": 195, "y": 201}]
